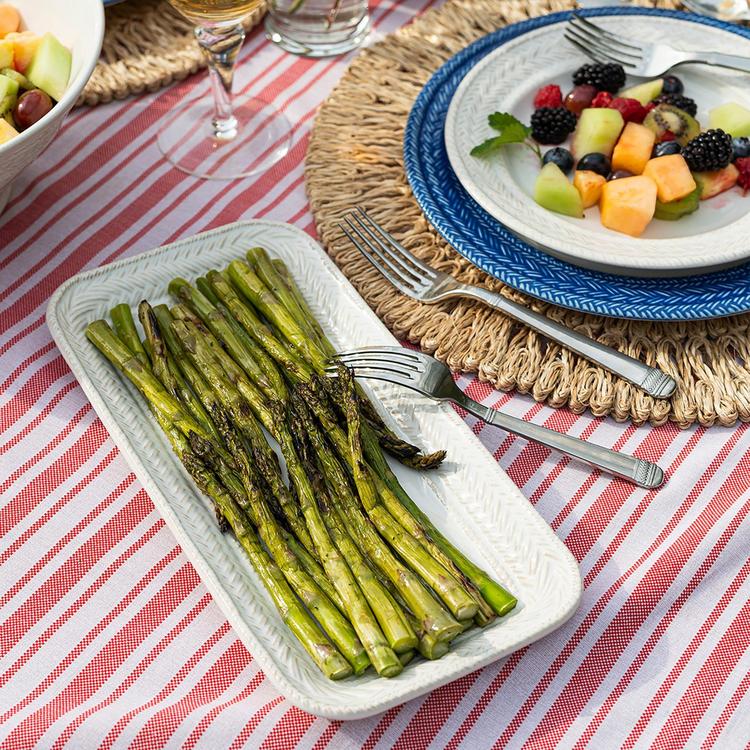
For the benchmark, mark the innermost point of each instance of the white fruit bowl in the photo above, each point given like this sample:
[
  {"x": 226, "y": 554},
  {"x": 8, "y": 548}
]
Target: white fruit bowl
[{"x": 78, "y": 25}]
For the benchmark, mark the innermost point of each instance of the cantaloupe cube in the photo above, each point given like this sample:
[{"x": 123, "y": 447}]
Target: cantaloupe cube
[
  {"x": 10, "y": 19},
  {"x": 7, "y": 131},
  {"x": 627, "y": 205},
  {"x": 25, "y": 44},
  {"x": 589, "y": 184},
  {"x": 672, "y": 177},
  {"x": 6, "y": 53},
  {"x": 633, "y": 150}
]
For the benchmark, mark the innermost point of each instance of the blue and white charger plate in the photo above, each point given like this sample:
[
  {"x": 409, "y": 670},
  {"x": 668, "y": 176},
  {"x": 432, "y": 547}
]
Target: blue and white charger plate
[{"x": 490, "y": 246}]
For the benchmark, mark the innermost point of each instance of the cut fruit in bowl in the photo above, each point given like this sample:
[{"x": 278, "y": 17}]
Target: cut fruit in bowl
[
  {"x": 51, "y": 54},
  {"x": 627, "y": 124}
]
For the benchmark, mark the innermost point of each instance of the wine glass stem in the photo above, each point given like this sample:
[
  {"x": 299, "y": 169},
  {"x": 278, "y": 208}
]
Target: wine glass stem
[{"x": 221, "y": 45}]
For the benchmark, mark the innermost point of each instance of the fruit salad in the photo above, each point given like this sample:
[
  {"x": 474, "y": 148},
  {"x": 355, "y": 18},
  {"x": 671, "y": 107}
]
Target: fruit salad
[
  {"x": 34, "y": 73},
  {"x": 637, "y": 153}
]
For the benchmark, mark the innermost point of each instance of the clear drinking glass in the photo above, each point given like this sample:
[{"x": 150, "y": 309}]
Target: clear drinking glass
[
  {"x": 230, "y": 137},
  {"x": 317, "y": 28}
]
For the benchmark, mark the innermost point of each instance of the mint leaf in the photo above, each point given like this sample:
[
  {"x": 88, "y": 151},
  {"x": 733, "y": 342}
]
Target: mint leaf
[
  {"x": 511, "y": 131},
  {"x": 509, "y": 126},
  {"x": 489, "y": 146}
]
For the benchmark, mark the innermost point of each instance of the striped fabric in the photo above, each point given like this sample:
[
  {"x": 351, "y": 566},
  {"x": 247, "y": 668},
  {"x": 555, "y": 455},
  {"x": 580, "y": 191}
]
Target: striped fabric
[{"x": 108, "y": 639}]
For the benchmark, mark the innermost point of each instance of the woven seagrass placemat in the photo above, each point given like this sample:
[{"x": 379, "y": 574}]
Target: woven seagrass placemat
[
  {"x": 147, "y": 45},
  {"x": 354, "y": 158}
]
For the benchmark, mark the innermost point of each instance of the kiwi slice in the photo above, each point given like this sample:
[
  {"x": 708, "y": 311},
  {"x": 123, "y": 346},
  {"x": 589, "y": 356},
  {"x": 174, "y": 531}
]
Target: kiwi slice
[
  {"x": 677, "y": 209},
  {"x": 20, "y": 79},
  {"x": 665, "y": 117}
]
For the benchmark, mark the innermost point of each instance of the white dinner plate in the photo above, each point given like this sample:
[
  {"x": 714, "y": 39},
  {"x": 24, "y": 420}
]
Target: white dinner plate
[
  {"x": 715, "y": 236},
  {"x": 470, "y": 498}
]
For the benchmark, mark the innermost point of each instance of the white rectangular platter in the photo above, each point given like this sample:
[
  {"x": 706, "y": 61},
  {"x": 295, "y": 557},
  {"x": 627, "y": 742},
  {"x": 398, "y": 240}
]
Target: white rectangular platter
[{"x": 469, "y": 497}]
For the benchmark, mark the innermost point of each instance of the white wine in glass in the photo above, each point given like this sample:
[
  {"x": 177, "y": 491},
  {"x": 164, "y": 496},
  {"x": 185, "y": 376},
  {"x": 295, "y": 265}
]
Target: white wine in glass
[{"x": 230, "y": 137}]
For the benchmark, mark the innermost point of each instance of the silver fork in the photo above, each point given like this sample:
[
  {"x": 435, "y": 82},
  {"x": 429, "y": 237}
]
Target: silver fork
[
  {"x": 433, "y": 379},
  {"x": 640, "y": 58},
  {"x": 416, "y": 280}
]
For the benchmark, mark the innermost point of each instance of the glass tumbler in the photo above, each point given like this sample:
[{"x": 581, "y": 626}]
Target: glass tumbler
[{"x": 318, "y": 28}]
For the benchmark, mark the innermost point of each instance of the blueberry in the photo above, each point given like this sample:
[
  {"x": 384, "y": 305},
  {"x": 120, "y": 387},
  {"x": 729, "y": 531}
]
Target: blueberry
[
  {"x": 560, "y": 156},
  {"x": 666, "y": 148},
  {"x": 672, "y": 85},
  {"x": 619, "y": 174},
  {"x": 740, "y": 148},
  {"x": 598, "y": 163}
]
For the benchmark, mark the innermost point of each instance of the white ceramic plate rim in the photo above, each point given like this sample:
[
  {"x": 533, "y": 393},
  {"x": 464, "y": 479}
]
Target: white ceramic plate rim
[
  {"x": 510, "y": 533},
  {"x": 644, "y": 256}
]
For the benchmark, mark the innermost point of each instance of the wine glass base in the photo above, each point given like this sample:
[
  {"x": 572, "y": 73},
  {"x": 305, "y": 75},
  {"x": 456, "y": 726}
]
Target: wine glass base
[{"x": 263, "y": 138}]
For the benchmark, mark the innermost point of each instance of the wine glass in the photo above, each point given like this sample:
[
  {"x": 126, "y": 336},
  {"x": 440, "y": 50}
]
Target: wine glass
[{"x": 230, "y": 137}]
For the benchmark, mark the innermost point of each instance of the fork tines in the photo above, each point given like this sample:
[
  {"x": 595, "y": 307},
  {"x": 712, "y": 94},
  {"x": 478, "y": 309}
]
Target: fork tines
[
  {"x": 406, "y": 272},
  {"x": 388, "y": 360},
  {"x": 601, "y": 45}
]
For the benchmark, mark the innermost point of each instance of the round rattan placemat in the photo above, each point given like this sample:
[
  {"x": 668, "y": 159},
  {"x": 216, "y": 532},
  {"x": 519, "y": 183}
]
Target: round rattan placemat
[
  {"x": 147, "y": 45},
  {"x": 354, "y": 158}
]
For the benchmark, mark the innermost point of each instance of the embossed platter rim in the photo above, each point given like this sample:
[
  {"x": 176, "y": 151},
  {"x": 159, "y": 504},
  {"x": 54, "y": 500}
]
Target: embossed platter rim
[
  {"x": 712, "y": 238},
  {"x": 486, "y": 514}
]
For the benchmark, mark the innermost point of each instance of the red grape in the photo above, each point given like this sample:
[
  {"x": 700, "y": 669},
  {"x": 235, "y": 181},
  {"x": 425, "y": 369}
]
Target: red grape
[
  {"x": 579, "y": 98},
  {"x": 31, "y": 107}
]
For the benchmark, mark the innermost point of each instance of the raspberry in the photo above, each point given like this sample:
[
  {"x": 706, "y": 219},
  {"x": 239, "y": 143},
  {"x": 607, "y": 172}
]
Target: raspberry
[
  {"x": 630, "y": 109},
  {"x": 548, "y": 96},
  {"x": 649, "y": 106},
  {"x": 602, "y": 100},
  {"x": 668, "y": 135},
  {"x": 743, "y": 165}
]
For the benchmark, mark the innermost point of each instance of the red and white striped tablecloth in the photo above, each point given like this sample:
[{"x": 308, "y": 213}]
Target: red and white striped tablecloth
[{"x": 108, "y": 639}]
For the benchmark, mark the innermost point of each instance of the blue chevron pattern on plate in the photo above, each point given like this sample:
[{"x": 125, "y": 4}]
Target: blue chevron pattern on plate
[{"x": 490, "y": 246}]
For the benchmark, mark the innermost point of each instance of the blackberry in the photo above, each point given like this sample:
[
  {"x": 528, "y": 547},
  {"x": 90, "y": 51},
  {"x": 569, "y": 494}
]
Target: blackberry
[
  {"x": 709, "y": 151},
  {"x": 552, "y": 125},
  {"x": 603, "y": 76},
  {"x": 685, "y": 103}
]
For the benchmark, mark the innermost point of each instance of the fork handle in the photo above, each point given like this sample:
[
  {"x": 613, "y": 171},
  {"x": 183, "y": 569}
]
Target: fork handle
[
  {"x": 720, "y": 59},
  {"x": 636, "y": 470},
  {"x": 654, "y": 382}
]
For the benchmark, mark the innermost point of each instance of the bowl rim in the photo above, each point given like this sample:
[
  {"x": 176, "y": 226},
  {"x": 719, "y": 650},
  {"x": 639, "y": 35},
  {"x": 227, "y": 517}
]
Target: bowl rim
[{"x": 75, "y": 87}]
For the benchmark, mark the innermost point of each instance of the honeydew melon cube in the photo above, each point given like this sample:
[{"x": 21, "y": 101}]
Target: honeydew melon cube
[
  {"x": 49, "y": 69},
  {"x": 644, "y": 92},
  {"x": 554, "y": 192},
  {"x": 732, "y": 118},
  {"x": 597, "y": 132}
]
